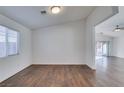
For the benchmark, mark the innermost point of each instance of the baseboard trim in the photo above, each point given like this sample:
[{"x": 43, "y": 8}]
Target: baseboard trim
[
  {"x": 58, "y": 64},
  {"x": 64, "y": 65},
  {"x": 117, "y": 57},
  {"x": 90, "y": 67}
]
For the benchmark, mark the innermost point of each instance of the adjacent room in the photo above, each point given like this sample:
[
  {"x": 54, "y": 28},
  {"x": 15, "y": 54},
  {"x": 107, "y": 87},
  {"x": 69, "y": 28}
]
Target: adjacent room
[
  {"x": 109, "y": 38},
  {"x": 61, "y": 46}
]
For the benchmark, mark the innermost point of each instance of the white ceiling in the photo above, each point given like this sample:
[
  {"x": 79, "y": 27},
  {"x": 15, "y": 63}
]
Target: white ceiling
[
  {"x": 31, "y": 17},
  {"x": 109, "y": 25}
]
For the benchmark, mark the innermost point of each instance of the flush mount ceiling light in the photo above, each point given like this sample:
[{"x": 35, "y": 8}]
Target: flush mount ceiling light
[{"x": 55, "y": 9}]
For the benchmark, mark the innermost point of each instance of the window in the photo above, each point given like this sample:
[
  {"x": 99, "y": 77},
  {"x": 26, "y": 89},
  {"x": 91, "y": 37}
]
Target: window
[
  {"x": 2, "y": 41},
  {"x": 8, "y": 42}
]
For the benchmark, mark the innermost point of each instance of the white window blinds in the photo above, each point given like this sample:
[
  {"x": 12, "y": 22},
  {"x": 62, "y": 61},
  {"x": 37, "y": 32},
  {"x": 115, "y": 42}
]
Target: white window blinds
[
  {"x": 2, "y": 41},
  {"x": 8, "y": 42},
  {"x": 12, "y": 42}
]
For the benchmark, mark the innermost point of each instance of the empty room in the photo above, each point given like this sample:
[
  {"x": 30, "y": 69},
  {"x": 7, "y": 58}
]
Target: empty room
[{"x": 61, "y": 46}]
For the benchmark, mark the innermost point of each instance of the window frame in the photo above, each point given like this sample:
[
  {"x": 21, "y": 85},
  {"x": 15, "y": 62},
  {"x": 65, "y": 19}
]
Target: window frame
[{"x": 18, "y": 41}]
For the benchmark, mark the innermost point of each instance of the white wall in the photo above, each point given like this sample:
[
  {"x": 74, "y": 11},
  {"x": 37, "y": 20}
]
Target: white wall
[
  {"x": 97, "y": 16},
  {"x": 13, "y": 64},
  {"x": 99, "y": 37},
  {"x": 118, "y": 47},
  {"x": 60, "y": 44}
]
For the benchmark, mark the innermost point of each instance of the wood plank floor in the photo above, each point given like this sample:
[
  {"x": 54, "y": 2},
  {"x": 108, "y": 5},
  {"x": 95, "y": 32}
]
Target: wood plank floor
[{"x": 109, "y": 72}]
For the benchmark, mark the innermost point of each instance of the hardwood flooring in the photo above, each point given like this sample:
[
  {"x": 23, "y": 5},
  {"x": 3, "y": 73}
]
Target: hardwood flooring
[{"x": 109, "y": 72}]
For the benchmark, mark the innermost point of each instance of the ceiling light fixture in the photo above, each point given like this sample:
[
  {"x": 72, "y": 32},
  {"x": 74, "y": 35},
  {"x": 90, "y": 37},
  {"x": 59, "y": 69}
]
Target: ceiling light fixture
[
  {"x": 117, "y": 29},
  {"x": 55, "y": 9}
]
